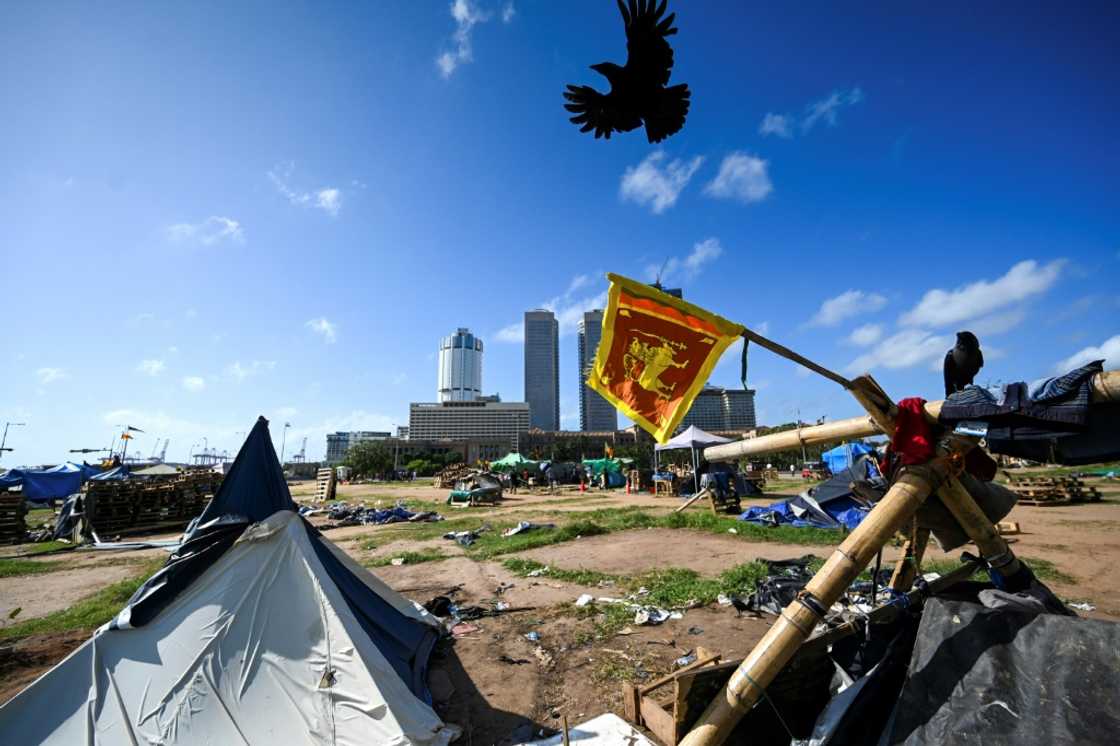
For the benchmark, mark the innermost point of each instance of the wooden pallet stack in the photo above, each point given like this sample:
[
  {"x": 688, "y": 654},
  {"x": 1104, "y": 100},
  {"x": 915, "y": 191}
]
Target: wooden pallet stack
[
  {"x": 450, "y": 474},
  {"x": 1049, "y": 491},
  {"x": 326, "y": 484},
  {"x": 114, "y": 507},
  {"x": 13, "y": 526}
]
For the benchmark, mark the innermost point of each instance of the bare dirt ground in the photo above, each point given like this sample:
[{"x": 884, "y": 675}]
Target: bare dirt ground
[{"x": 569, "y": 671}]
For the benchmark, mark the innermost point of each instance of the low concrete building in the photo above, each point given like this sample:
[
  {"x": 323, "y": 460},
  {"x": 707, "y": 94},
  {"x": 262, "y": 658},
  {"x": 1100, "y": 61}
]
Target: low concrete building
[{"x": 481, "y": 421}]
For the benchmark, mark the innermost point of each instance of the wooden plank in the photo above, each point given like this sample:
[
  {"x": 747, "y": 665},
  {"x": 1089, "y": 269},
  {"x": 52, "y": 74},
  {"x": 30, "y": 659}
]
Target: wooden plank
[{"x": 658, "y": 721}]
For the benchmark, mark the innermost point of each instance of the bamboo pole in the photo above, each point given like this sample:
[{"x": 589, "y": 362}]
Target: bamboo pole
[
  {"x": 912, "y": 552},
  {"x": 798, "y": 619},
  {"x": 1105, "y": 388}
]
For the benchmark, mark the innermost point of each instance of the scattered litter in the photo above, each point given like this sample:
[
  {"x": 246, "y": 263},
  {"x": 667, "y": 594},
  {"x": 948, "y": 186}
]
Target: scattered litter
[
  {"x": 533, "y": 636},
  {"x": 462, "y": 629},
  {"x": 523, "y": 526},
  {"x": 652, "y": 615},
  {"x": 502, "y": 588},
  {"x": 440, "y": 606},
  {"x": 585, "y": 599},
  {"x": 626, "y": 631},
  {"x": 466, "y": 538},
  {"x": 723, "y": 599},
  {"x": 695, "y": 630},
  {"x": 354, "y": 515},
  {"x": 513, "y": 661},
  {"x": 643, "y": 591},
  {"x": 1082, "y": 606},
  {"x": 543, "y": 656},
  {"x": 684, "y": 660},
  {"x": 397, "y": 561},
  {"x": 501, "y": 606},
  {"x": 732, "y": 531},
  {"x": 538, "y": 572}
]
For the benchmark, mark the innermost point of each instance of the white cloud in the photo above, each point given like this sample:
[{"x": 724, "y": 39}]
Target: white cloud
[
  {"x": 328, "y": 199},
  {"x": 997, "y": 323},
  {"x": 512, "y": 333},
  {"x": 762, "y": 327},
  {"x": 847, "y": 304},
  {"x": 467, "y": 15},
  {"x": 906, "y": 349},
  {"x": 151, "y": 367},
  {"x": 508, "y": 12},
  {"x": 50, "y": 375},
  {"x": 327, "y": 329},
  {"x": 742, "y": 177},
  {"x": 194, "y": 383},
  {"x": 676, "y": 269},
  {"x": 240, "y": 372},
  {"x": 1109, "y": 351},
  {"x": 649, "y": 183},
  {"x": 943, "y": 307},
  {"x": 776, "y": 124},
  {"x": 827, "y": 108},
  {"x": 213, "y": 230},
  {"x": 866, "y": 335}
]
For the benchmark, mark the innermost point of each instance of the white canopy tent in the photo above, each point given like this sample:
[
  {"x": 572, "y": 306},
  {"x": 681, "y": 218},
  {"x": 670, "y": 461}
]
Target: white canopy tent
[{"x": 694, "y": 439}]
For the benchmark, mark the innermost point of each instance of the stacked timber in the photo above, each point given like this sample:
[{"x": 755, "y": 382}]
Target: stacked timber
[
  {"x": 1053, "y": 490},
  {"x": 326, "y": 484},
  {"x": 450, "y": 474},
  {"x": 116, "y": 507},
  {"x": 13, "y": 527}
]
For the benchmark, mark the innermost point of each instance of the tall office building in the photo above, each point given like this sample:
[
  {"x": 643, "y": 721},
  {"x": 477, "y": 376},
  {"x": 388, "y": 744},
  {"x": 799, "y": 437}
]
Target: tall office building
[
  {"x": 460, "y": 367},
  {"x": 596, "y": 414},
  {"x": 542, "y": 369},
  {"x": 717, "y": 408}
]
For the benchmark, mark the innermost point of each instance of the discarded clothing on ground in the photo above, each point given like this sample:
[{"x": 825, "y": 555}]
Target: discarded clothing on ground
[
  {"x": 784, "y": 580},
  {"x": 357, "y": 515},
  {"x": 523, "y": 526},
  {"x": 1053, "y": 420},
  {"x": 831, "y": 504},
  {"x": 466, "y": 538}
]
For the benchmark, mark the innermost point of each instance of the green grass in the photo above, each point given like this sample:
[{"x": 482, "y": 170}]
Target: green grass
[
  {"x": 44, "y": 547},
  {"x": 410, "y": 558},
  {"x": 609, "y": 520},
  {"x": 1045, "y": 570},
  {"x": 523, "y": 567},
  {"x": 89, "y": 613},
  {"x": 10, "y": 568}
]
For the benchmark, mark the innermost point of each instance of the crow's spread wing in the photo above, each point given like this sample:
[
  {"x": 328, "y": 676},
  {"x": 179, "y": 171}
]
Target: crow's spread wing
[
  {"x": 595, "y": 111},
  {"x": 650, "y": 56}
]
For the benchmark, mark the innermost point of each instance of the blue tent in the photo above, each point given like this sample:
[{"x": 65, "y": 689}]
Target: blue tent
[
  {"x": 40, "y": 485},
  {"x": 843, "y": 456},
  {"x": 830, "y": 504}
]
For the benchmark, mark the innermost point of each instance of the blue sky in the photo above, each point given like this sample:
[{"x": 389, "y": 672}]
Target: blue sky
[{"x": 211, "y": 211}]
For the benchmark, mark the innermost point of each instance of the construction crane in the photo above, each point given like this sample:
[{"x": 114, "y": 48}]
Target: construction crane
[
  {"x": 301, "y": 457},
  {"x": 163, "y": 453}
]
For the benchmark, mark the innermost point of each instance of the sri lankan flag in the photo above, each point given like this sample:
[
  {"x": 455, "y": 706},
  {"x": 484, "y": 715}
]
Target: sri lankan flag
[{"x": 656, "y": 353}]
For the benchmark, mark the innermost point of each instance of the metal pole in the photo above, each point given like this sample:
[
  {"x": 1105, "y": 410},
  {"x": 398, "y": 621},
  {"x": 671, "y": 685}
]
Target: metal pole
[
  {"x": 4, "y": 440},
  {"x": 284, "y": 442}
]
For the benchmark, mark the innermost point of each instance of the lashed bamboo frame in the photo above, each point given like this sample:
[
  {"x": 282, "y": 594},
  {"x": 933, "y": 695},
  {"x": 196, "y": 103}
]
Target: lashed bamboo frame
[{"x": 889, "y": 515}]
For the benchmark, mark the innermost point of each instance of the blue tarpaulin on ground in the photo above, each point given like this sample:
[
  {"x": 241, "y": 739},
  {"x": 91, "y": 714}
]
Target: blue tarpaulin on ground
[
  {"x": 40, "y": 485},
  {"x": 828, "y": 505},
  {"x": 843, "y": 456}
]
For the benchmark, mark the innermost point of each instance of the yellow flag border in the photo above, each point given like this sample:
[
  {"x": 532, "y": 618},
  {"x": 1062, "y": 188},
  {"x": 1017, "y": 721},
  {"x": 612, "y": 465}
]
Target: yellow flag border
[{"x": 728, "y": 330}]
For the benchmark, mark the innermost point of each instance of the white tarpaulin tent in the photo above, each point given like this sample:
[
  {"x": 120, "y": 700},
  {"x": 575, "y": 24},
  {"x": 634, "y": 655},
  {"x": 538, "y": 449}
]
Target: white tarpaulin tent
[
  {"x": 261, "y": 644},
  {"x": 692, "y": 438}
]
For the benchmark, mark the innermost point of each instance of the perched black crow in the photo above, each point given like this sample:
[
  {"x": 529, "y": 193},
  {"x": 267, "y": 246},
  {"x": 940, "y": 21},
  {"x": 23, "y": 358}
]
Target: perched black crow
[
  {"x": 638, "y": 91},
  {"x": 963, "y": 362}
]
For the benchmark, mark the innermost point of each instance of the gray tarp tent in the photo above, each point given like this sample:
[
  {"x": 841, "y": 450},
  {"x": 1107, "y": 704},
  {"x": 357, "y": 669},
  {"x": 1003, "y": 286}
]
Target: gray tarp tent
[
  {"x": 257, "y": 630},
  {"x": 692, "y": 438}
]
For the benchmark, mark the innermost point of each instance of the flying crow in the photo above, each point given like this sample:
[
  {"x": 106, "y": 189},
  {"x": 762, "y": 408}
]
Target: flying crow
[
  {"x": 638, "y": 91},
  {"x": 963, "y": 362}
]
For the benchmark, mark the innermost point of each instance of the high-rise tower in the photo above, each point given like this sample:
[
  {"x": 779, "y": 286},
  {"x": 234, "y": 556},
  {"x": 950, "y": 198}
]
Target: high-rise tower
[
  {"x": 460, "y": 367},
  {"x": 542, "y": 369},
  {"x": 596, "y": 414}
]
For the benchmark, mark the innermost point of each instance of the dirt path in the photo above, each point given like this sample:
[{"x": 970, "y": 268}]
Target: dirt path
[{"x": 39, "y": 595}]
